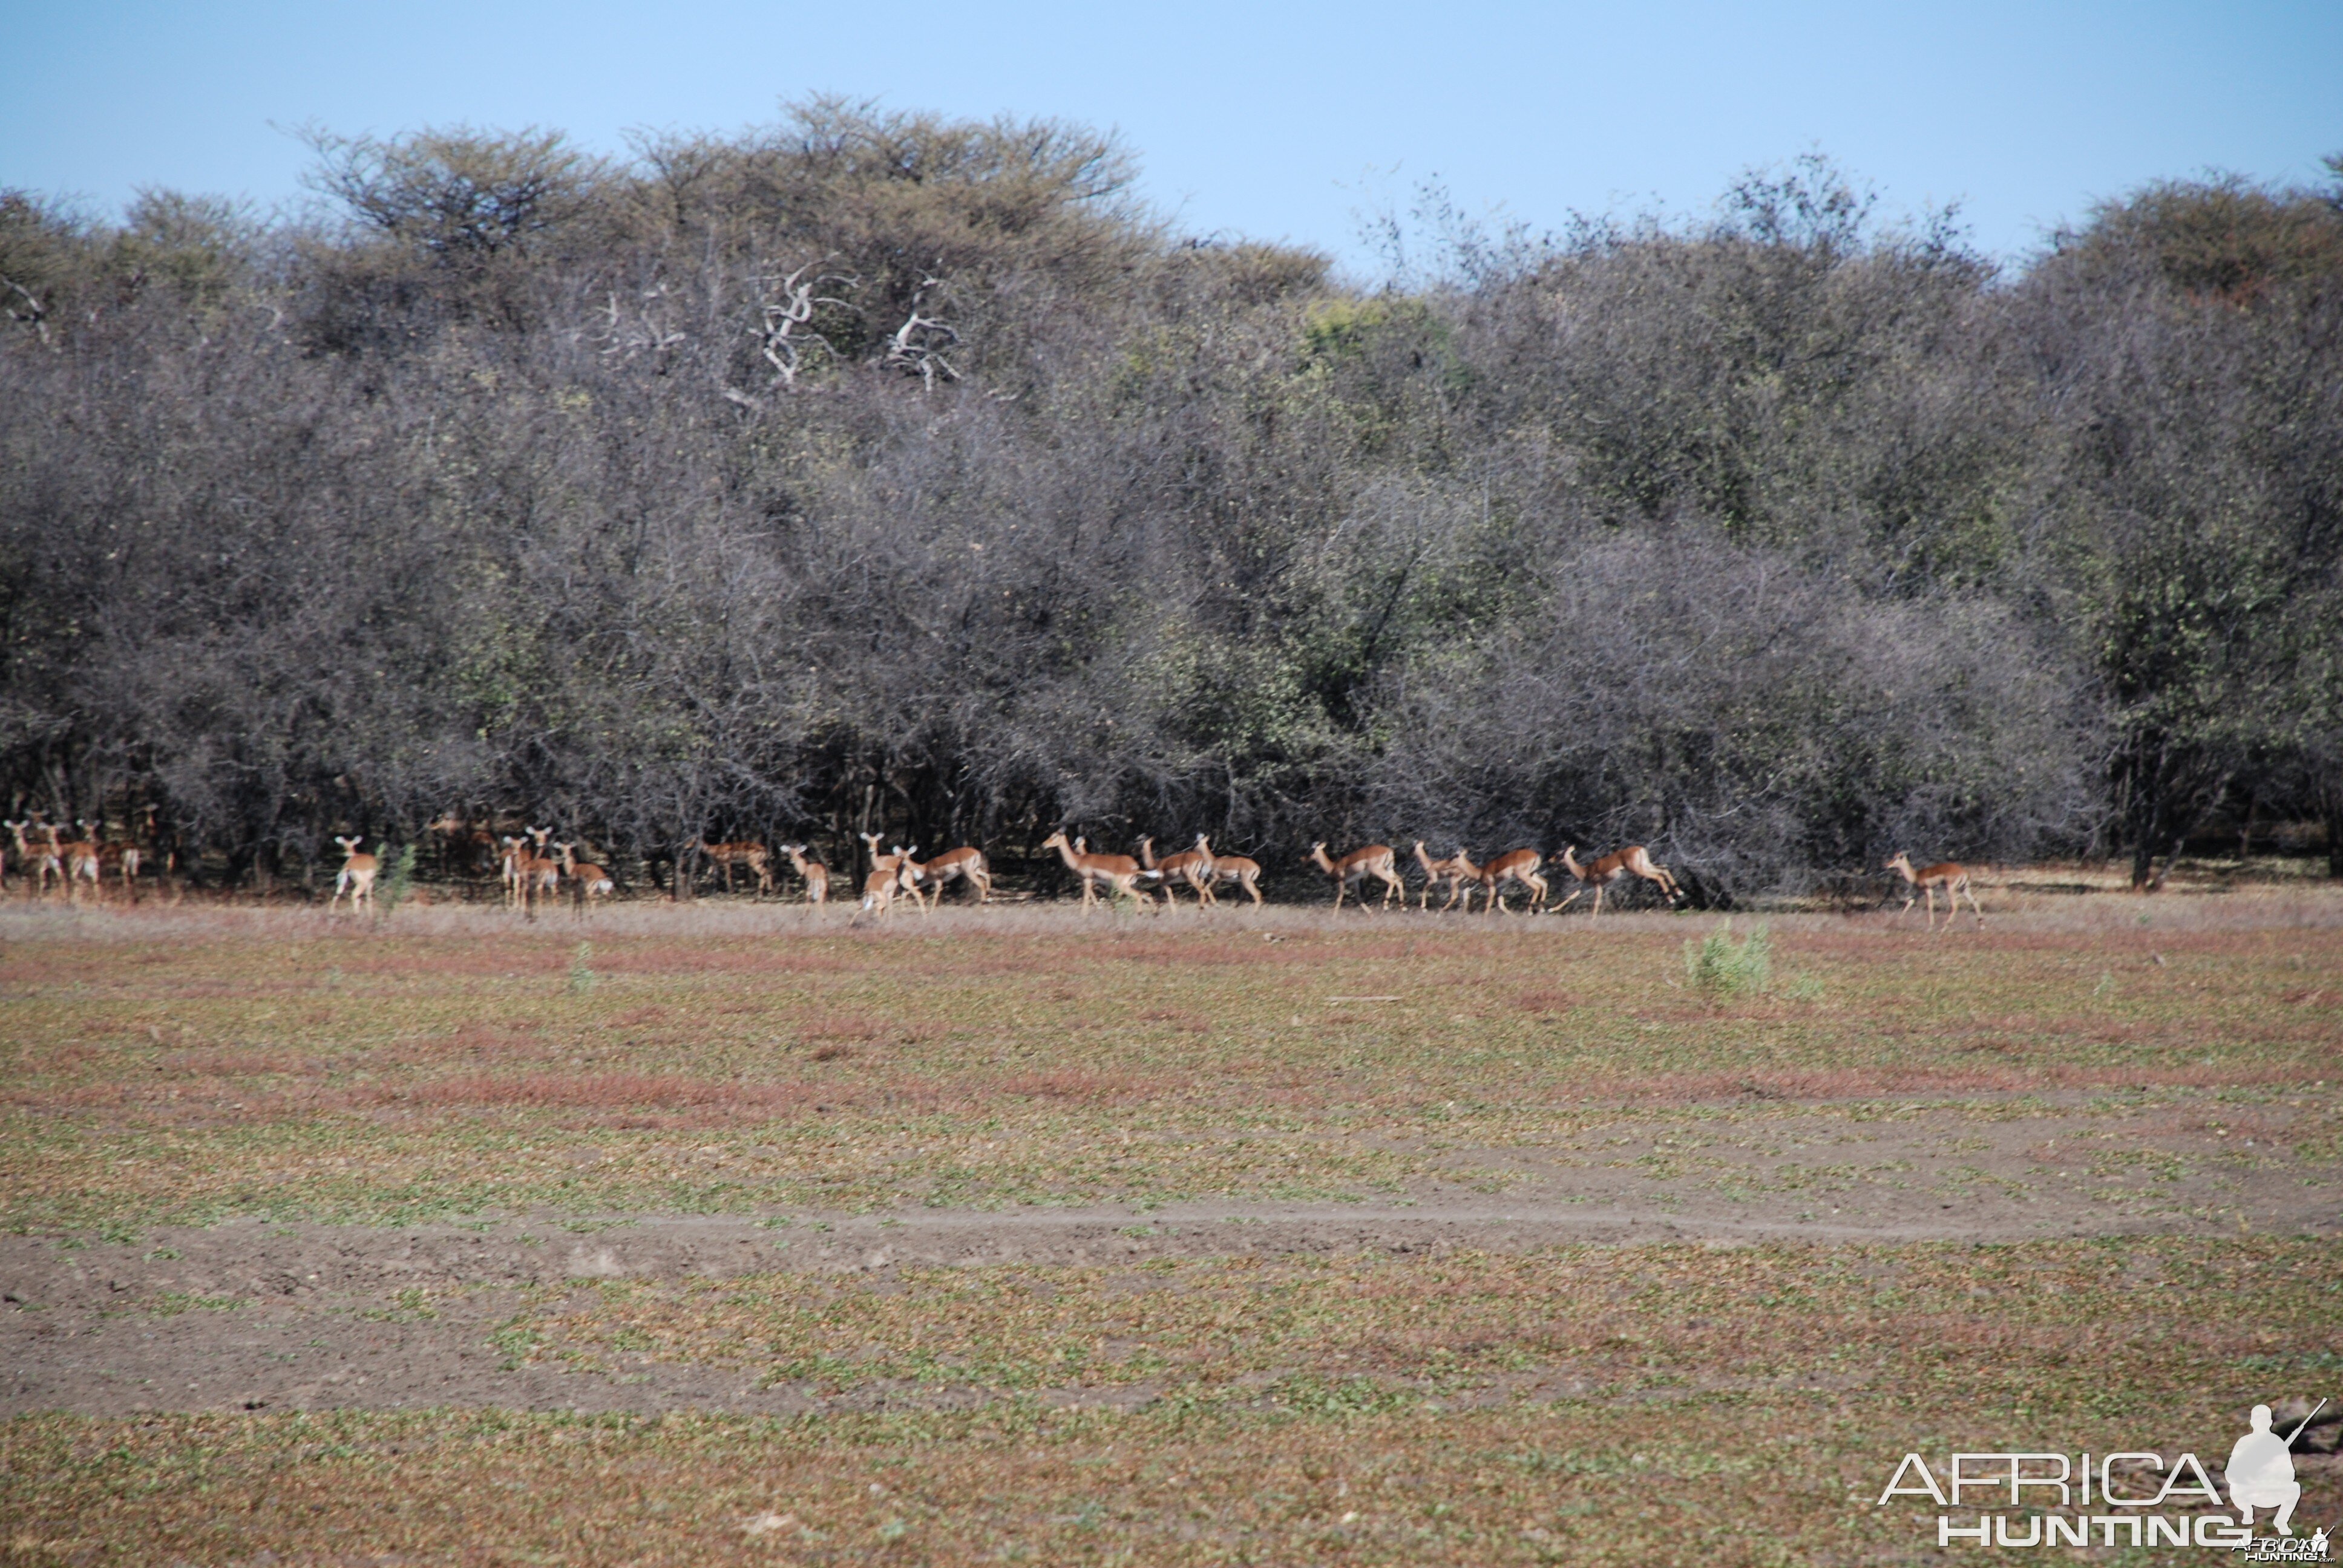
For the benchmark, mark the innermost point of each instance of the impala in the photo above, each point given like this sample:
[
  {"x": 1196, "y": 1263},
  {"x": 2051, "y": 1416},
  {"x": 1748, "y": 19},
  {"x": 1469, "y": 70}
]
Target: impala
[
  {"x": 1236, "y": 869},
  {"x": 82, "y": 861},
  {"x": 747, "y": 852},
  {"x": 125, "y": 854},
  {"x": 1600, "y": 874},
  {"x": 1458, "y": 872},
  {"x": 816, "y": 874},
  {"x": 966, "y": 863},
  {"x": 899, "y": 864},
  {"x": 538, "y": 873},
  {"x": 463, "y": 844},
  {"x": 1949, "y": 875},
  {"x": 1512, "y": 866},
  {"x": 42, "y": 857},
  {"x": 356, "y": 877},
  {"x": 890, "y": 875},
  {"x": 1374, "y": 860},
  {"x": 1192, "y": 867},
  {"x": 1119, "y": 873},
  {"x": 508, "y": 863},
  {"x": 587, "y": 881}
]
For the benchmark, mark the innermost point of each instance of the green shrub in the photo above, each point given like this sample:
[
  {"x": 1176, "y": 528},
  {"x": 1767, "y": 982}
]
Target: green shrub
[
  {"x": 399, "y": 883},
  {"x": 1721, "y": 967}
]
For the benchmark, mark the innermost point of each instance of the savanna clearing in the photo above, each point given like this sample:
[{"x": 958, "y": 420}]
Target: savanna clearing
[{"x": 724, "y": 1233}]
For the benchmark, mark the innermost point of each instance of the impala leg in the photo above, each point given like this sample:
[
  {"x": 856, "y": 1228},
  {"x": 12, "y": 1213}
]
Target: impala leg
[{"x": 1974, "y": 905}]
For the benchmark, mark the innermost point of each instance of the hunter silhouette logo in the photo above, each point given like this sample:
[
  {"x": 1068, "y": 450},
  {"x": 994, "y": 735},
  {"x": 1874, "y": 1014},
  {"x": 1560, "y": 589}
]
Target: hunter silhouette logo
[
  {"x": 2261, "y": 1471},
  {"x": 2127, "y": 1498}
]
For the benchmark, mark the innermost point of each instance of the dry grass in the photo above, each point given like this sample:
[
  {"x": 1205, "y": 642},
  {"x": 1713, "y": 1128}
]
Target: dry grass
[
  {"x": 1580, "y": 1404},
  {"x": 191, "y": 1064},
  {"x": 1584, "y": 1405}
]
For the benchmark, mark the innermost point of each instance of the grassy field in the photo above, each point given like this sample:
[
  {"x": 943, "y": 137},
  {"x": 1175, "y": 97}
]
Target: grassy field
[{"x": 2084, "y": 1165}]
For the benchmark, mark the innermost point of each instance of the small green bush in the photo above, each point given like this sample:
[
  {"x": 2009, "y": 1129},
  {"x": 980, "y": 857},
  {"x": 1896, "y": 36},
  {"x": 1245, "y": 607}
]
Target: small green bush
[
  {"x": 1721, "y": 967},
  {"x": 399, "y": 883}
]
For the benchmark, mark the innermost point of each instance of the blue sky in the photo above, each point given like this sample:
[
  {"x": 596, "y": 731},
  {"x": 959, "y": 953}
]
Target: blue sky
[{"x": 1282, "y": 122}]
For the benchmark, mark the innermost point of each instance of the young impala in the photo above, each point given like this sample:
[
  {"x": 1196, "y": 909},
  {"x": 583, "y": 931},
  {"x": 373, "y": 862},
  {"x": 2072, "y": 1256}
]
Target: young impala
[
  {"x": 1374, "y": 860},
  {"x": 1949, "y": 875}
]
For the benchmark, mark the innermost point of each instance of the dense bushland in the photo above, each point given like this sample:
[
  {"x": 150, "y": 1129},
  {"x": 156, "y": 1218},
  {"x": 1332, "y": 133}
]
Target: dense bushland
[{"x": 876, "y": 470}]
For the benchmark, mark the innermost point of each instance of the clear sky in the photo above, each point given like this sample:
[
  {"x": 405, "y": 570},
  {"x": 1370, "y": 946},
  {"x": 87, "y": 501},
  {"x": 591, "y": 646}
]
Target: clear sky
[{"x": 1272, "y": 121}]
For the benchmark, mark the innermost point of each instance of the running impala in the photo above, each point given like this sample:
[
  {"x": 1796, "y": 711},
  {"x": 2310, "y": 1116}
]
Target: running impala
[
  {"x": 1374, "y": 860},
  {"x": 1119, "y": 874},
  {"x": 1245, "y": 873},
  {"x": 1512, "y": 866},
  {"x": 1192, "y": 867},
  {"x": 1600, "y": 874},
  {"x": 1458, "y": 872}
]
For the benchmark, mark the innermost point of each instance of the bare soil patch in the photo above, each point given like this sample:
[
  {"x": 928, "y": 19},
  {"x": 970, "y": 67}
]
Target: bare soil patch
[{"x": 255, "y": 1315}]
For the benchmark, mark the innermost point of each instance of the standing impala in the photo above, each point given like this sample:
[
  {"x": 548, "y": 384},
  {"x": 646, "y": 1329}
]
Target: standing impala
[
  {"x": 1949, "y": 875},
  {"x": 540, "y": 874},
  {"x": 1245, "y": 873},
  {"x": 1119, "y": 874},
  {"x": 42, "y": 857},
  {"x": 587, "y": 881},
  {"x": 82, "y": 861},
  {"x": 816, "y": 874},
  {"x": 1458, "y": 872},
  {"x": 356, "y": 877},
  {"x": 128, "y": 857},
  {"x": 1373, "y": 861},
  {"x": 744, "y": 851},
  {"x": 1192, "y": 867},
  {"x": 1600, "y": 874},
  {"x": 1512, "y": 866}
]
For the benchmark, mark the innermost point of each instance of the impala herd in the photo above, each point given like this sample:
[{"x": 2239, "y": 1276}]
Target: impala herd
[{"x": 533, "y": 865}]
